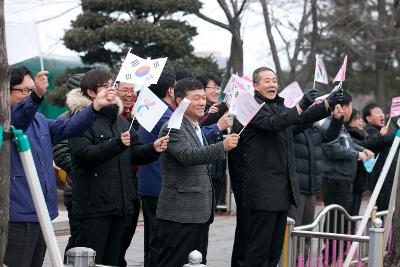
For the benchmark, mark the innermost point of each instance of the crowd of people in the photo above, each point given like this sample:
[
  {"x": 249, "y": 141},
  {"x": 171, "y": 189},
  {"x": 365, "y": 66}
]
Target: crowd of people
[{"x": 279, "y": 163}]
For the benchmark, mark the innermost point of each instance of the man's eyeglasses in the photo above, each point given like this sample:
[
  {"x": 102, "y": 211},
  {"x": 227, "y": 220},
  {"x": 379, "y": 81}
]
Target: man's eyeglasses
[
  {"x": 106, "y": 85},
  {"x": 216, "y": 88},
  {"x": 24, "y": 91},
  {"x": 126, "y": 91}
]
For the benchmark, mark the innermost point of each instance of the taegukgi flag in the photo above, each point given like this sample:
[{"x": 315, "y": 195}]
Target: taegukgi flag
[
  {"x": 246, "y": 108},
  {"x": 137, "y": 70},
  {"x": 148, "y": 109},
  {"x": 320, "y": 74},
  {"x": 341, "y": 75},
  {"x": 176, "y": 118}
]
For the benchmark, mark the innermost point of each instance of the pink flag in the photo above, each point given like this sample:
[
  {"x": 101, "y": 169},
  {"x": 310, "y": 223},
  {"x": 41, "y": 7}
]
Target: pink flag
[
  {"x": 395, "y": 108},
  {"x": 341, "y": 75},
  {"x": 246, "y": 108}
]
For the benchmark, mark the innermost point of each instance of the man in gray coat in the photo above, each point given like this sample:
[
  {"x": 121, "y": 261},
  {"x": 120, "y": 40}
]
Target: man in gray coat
[{"x": 185, "y": 206}]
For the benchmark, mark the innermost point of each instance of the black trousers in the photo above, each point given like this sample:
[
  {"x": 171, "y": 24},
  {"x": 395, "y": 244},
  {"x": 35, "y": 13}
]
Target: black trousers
[
  {"x": 265, "y": 239},
  {"x": 149, "y": 206},
  {"x": 26, "y": 246},
  {"x": 102, "y": 234},
  {"x": 337, "y": 192},
  {"x": 242, "y": 224},
  {"x": 128, "y": 231},
  {"x": 356, "y": 202},
  {"x": 174, "y": 242}
]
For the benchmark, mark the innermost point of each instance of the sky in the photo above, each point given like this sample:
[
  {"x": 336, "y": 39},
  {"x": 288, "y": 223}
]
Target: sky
[{"x": 210, "y": 38}]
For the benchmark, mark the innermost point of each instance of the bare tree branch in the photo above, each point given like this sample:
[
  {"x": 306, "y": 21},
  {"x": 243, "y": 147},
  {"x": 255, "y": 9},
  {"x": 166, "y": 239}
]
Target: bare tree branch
[
  {"x": 226, "y": 10},
  {"x": 272, "y": 43},
  {"x": 59, "y": 15},
  {"x": 212, "y": 21}
]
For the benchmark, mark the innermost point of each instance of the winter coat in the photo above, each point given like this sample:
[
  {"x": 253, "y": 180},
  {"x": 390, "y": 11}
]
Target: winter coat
[
  {"x": 308, "y": 154},
  {"x": 42, "y": 133},
  {"x": 383, "y": 151},
  {"x": 270, "y": 181},
  {"x": 340, "y": 155},
  {"x": 361, "y": 180},
  {"x": 101, "y": 167}
]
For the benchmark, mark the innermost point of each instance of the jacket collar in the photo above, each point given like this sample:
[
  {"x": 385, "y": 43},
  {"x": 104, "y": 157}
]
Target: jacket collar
[{"x": 190, "y": 127}]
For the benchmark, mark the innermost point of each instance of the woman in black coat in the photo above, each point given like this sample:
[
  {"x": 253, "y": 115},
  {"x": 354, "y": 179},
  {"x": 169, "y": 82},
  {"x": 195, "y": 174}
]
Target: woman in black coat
[{"x": 104, "y": 190}]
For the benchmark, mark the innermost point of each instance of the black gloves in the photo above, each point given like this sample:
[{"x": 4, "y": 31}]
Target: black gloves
[
  {"x": 308, "y": 98},
  {"x": 335, "y": 97}
]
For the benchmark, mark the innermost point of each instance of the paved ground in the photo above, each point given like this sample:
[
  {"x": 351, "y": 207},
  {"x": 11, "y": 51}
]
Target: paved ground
[
  {"x": 219, "y": 248},
  {"x": 220, "y": 238}
]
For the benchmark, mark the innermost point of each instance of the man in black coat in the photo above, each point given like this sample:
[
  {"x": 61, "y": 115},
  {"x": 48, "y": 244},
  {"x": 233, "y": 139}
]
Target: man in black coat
[
  {"x": 270, "y": 186},
  {"x": 374, "y": 117}
]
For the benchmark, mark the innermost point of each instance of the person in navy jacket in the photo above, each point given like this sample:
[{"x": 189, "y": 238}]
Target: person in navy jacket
[{"x": 26, "y": 245}]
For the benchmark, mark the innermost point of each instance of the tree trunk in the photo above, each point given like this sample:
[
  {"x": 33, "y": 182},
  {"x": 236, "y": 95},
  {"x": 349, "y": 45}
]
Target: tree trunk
[
  {"x": 308, "y": 70},
  {"x": 380, "y": 63},
  {"x": 5, "y": 150},
  {"x": 274, "y": 51},
  {"x": 235, "y": 62}
]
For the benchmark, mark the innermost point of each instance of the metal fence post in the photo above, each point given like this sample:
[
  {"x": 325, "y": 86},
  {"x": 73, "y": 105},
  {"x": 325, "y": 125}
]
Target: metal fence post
[
  {"x": 195, "y": 259},
  {"x": 287, "y": 251},
  {"x": 81, "y": 257},
  {"x": 376, "y": 244}
]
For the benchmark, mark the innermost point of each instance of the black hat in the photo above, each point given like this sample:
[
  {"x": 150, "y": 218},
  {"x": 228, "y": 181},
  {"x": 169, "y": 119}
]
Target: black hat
[{"x": 75, "y": 81}]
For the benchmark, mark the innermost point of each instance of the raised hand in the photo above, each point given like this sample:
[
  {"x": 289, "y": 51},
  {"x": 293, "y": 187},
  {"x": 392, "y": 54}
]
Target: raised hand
[
  {"x": 308, "y": 98},
  {"x": 41, "y": 83},
  {"x": 337, "y": 113},
  {"x": 225, "y": 121},
  {"x": 213, "y": 109},
  {"x": 161, "y": 144},
  {"x": 334, "y": 98},
  {"x": 104, "y": 98},
  {"x": 231, "y": 141}
]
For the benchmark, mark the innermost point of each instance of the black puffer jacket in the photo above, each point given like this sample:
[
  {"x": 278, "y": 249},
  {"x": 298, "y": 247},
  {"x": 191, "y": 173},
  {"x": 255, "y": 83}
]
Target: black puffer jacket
[
  {"x": 361, "y": 181},
  {"x": 101, "y": 167},
  {"x": 309, "y": 155}
]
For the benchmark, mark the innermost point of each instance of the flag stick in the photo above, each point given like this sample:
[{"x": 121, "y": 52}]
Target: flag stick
[
  {"x": 314, "y": 84},
  {"x": 242, "y": 130},
  {"x": 169, "y": 131},
  {"x": 130, "y": 127}
]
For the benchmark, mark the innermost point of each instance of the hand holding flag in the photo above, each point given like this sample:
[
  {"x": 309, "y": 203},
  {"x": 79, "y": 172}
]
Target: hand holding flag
[{"x": 161, "y": 144}]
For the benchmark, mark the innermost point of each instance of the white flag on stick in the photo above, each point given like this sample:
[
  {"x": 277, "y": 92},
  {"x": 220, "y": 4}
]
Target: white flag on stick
[
  {"x": 148, "y": 109},
  {"x": 341, "y": 75},
  {"x": 246, "y": 108},
  {"x": 320, "y": 74},
  {"x": 22, "y": 42},
  {"x": 176, "y": 118},
  {"x": 137, "y": 70},
  {"x": 292, "y": 94},
  {"x": 395, "y": 107}
]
